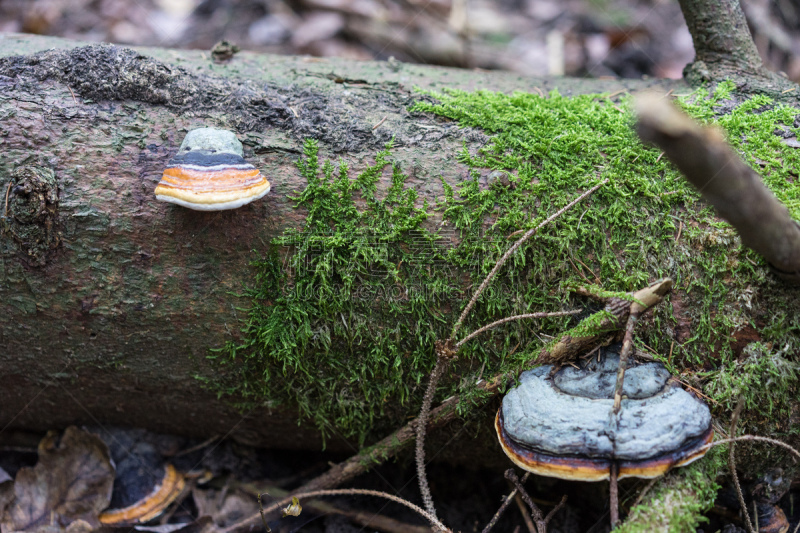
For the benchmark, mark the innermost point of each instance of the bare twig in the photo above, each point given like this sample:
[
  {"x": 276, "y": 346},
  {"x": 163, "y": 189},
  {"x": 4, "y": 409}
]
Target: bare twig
[
  {"x": 613, "y": 494},
  {"x": 446, "y": 412},
  {"x": 368, "y": 519},
  {"x": 569, "y": 346},
  {"x": 503, "y": 507},
  {"x": 526, "y": 516},
  {"x": 537, "y": 513},
  {"x": 379, "y": 123},
  {"x": 732, "y": 463},
  {"x": 755, "y": 438},
  {"x": 512, "y": 318},
  {"x": 513, "y": 249},
  {"x": 337, "y": 492},
  {"x": 8, "y": 190},
  {"x": 556, "y": 509},
  {"x": 261, "y": 512},
  {"x": 646, "y": 489},
  {"x": 624, "y": 354},
  {"x": 734, "y": 189},
  {"x": 539, "y": 518},
  {"x": 422, "y": 422}
]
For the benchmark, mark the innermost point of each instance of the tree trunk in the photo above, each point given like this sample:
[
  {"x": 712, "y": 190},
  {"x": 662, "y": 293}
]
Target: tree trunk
[
  {"x": 725, "y": 49},
  {"x": 111, "y": 300}
]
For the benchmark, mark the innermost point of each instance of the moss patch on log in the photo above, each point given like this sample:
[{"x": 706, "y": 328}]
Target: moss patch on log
[
  {"x": 677, "y": 501},
  {"x": 369, "y": 251}
]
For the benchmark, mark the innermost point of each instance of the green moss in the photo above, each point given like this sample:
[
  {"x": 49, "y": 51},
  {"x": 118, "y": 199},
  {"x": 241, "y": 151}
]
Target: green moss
[
  {"x": 677, "y": 501},
  {"x": 345, "y": 310},
  {"x": 762, "y": 370}
]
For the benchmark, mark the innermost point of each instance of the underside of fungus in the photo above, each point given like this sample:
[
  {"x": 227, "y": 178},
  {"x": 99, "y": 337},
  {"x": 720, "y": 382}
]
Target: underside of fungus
[{"x": 560, "y": 423}]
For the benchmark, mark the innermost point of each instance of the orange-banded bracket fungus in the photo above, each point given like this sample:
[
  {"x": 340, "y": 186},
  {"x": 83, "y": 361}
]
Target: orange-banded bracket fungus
[
  {"x": 560, "y": 424},
  {"x": 209, "y": 173}
]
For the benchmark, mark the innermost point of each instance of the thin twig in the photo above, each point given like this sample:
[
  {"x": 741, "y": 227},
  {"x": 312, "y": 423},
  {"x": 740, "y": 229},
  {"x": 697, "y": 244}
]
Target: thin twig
[
  {"x": 613, "y": 494},
  {"x": 261, "y": 511},
  {"x": 526, "y": 516},
  {"x": 422, "y": 422},
  {"x": 756, "y": 438},
  {"x": 557, "y": 508},
  {"x": 515, "y": 317},
  {"x": 624, "y": 354},
  {"x": 645, "y": 490},
  {"x": 8, "y": 190},
  {"x": 367, "y": 519},
  {"x": 537, "y": 513},
  {"x": 503, "y": 507},
  {"x": 339, "y": 492},
  {"x": 379, "y": 123},
  {"x": 732, "y": 463},
  {"x": 513, "y": 249}
]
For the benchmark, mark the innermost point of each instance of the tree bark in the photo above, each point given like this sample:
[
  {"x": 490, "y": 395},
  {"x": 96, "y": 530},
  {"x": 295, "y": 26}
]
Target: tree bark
[
  {"x": 724, "y": 49},
  {"x": 111, "y": 300}
]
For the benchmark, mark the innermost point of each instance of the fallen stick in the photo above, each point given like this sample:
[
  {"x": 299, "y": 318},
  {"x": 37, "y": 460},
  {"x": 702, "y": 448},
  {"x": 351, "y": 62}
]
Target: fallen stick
[{"x": 725, "y": 181}]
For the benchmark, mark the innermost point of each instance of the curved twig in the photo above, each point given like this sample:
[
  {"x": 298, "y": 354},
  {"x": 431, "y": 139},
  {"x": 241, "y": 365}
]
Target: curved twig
[
  {"x": 511, "y": 318},
  {"x": 439, "y": 526},
  {"x": 528, "y": 234}
]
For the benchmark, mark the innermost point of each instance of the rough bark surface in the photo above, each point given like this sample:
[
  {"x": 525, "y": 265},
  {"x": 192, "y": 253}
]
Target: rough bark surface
[
  {"x": 725, "y": 49},
  {"x": 110, "y": 300}
]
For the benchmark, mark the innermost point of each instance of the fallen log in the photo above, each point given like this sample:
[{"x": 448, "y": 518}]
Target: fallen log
[{"x": 111, "y": 300}]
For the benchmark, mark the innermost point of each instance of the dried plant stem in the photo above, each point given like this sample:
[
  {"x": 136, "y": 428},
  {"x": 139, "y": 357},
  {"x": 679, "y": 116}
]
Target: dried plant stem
[
  {"x": 624, "y": 354},
  {"x": 367, "y": 519},
  {"x": 646, "y": 489},
  {"x": 613, "y": 494},
  {"x": 512, "y": 318},
  {"x": 526, "y": 516},
  {"x": 437, "y": 525},
  {"x": 732, "y": 463},
  {"x": 539, "y": 518},
  {"x": 422, "y": 422},
  {"x": 556, "y": 509},
  {"x": 504, "y": 506},
  {"x": 736, "y": 191},
  {"x": 756, "y": 438},
  {"x": 568, "y": 346},
  {"x": 528, "y": 234},
  {"x": 8, "y": 190}
]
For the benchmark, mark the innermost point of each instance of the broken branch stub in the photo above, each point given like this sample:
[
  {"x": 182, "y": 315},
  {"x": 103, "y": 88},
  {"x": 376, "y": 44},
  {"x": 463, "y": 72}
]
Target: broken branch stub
[{"x": 725, "y": 181}]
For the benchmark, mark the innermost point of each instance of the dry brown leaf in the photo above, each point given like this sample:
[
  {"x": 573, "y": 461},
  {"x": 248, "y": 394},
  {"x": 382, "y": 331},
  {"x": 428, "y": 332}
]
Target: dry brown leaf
[
  {"x": 224, "y": 507},
  {"x": 71, "y": 481}
]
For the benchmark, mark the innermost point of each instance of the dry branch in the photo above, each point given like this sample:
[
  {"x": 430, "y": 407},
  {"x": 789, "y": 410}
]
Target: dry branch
[{"x": 725, "y": 181}]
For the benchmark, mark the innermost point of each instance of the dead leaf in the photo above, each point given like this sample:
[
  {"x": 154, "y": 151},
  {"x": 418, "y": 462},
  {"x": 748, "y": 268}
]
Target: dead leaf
[
  {"x": 293, "y": 509},
  {"x": 224, "y": 507},
  {"x": 6, "y": 496},
  {"x": 71, "y": 481}
]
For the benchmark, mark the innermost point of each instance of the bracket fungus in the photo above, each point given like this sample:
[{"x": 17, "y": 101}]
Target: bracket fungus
[
  {"x": 209, "y": 173},
  {"x": 560, "y": 423}
]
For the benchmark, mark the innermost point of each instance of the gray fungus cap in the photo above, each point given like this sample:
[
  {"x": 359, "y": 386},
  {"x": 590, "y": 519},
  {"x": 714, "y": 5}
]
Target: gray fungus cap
[{"x": 569, "y": 415}]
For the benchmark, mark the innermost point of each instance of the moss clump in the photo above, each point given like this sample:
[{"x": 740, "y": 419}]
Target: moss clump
[
  {"x": 677, "y": 501},
  {"x": 761, "y": 370},
  {"x": 345, "y": 310}
]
